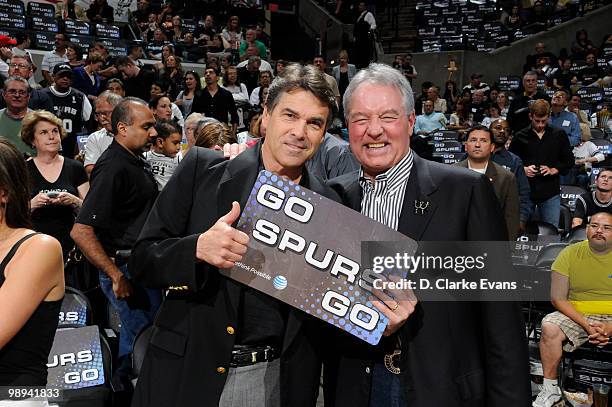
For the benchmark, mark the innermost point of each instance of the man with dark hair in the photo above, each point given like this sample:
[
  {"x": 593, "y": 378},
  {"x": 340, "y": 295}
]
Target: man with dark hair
[
  {"x": 546, "y": 154},
  {"x": 518, "y": 112},
  {"x": 221, "y": 336},
  {"x": 513, "y": 163},
  {"x": 476, "y": 84},
  {"x": 319, "y": 62},
  {"x": 580, "y": 291},
  {"x": 137, "y": 81},
  {"x": 54, "y": 57},
  {"x": 17, "y": 95},
  {"x": 591, "y": 72},
  {"x": 215, "y": 101},
  {"x": 599, "y": 200},
  {"x": 122, "y": 190},
  {"x": 479, "y": 146},
  {"x": 136, "y": 53},
  {"x": 70, "y": 105}
]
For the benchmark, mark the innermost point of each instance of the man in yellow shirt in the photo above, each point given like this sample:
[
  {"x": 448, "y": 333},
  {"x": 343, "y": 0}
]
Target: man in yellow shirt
[{"x": 581, "y": 291}]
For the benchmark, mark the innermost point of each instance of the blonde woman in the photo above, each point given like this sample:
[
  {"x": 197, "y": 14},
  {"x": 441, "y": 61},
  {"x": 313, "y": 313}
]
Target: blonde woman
[{"x": 58, "y": 184}]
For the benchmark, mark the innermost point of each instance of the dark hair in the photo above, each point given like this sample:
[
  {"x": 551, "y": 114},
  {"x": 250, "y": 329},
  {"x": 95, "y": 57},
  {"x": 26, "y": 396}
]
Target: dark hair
[
  {"x": 166, "y": 128},
  {"x": 123, "y": 60},
  {"x": 261, "y": 93},
  {"x": 198, "y": 87},
  {"x": 163, "y": 84},
  {"x": 134, "y": 45},
  {"x": 308, "y": 78},
  {"x": 15, "y": 182},
  {"x": 479, "y": 127},
  {"x": 77, "y": 49},
  {"x": 155, "y": 101},
  {"x": 603, "y": 169},
  {"x": 121, "y": 112}
]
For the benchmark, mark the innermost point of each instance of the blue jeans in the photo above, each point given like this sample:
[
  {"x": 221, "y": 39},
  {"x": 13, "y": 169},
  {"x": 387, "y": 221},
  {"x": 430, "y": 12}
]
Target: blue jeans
[
  {"x": 132, "y": 320},
  {"x": 386, "y": 388},
  {"x": 549, "y": 210}
]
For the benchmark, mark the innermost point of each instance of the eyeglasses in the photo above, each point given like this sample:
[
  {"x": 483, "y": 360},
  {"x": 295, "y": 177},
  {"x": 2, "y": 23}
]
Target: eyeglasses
[
  {"x": 19, "y": 66},
  {"x": 15, "y": 92},
  {"x": 104, "y": 113},
  {"x": 596, "y": 226}
]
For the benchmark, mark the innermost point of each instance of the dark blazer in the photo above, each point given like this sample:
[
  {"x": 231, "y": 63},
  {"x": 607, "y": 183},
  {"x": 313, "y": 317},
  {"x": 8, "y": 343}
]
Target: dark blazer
[
  {"x": 460, "y": 354},
  {"x": 506, "y": 191},
  {"x": 192, "y": 339}
]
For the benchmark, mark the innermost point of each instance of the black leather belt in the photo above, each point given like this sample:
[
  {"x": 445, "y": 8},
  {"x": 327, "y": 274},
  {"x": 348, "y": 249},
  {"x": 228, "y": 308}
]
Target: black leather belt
[{"x": 245, "y": 356}]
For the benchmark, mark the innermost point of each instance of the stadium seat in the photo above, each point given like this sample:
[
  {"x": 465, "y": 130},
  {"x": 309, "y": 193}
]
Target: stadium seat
[
  {"x": 540, "y": 228},
  {"x": 565, "y": 220},
  {"x": 76, "y": 310},
  {"x": 577, "y": 234},
  {"x": 140, "y": 349},
  {"x": 598, "y": 134}
]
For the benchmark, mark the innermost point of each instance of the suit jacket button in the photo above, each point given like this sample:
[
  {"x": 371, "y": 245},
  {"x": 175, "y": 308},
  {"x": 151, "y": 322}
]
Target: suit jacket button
[
  {"x": 230, "y": 330},
  {"x": 221, "y": 370}
]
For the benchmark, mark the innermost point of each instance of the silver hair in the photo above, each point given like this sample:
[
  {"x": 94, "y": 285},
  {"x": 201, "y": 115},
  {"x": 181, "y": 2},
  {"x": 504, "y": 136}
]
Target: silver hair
[
  {"x": 112, "y": 98},
  {"x": 380, "y": 74},
  {"x": 194, "y": 117}
]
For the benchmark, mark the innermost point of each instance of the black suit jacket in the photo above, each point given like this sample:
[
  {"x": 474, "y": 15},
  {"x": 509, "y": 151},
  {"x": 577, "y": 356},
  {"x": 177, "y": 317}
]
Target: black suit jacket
[
  {"x": 191, "y": 340},
  {"x": 453, "y": 354}
]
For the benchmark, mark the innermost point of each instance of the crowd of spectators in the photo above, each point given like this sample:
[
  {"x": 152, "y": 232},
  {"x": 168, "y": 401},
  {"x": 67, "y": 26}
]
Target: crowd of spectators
[
  {"x": 484, "y": 26},
  {"x": 63, "y": 125}
]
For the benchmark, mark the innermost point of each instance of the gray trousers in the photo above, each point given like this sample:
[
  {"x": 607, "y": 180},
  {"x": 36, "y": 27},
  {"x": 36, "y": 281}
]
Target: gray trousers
[{"x": 257, "y": 385}]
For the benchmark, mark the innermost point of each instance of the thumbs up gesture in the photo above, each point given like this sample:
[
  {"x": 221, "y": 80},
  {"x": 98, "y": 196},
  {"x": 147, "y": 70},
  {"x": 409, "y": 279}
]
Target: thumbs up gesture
[{"x": 222, "y": 245}]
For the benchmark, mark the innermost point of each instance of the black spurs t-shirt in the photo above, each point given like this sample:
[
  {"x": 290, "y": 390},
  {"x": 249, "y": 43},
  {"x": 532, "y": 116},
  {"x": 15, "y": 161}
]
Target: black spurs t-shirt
[{"x": 57, "y": 220}]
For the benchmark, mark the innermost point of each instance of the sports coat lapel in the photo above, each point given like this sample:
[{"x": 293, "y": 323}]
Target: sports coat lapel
[
  {"x": 418, "y": 207},
  {"x": 236, "y": 184}
]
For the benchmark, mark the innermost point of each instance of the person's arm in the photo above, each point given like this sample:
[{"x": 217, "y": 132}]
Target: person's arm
[
  {"x": 254, "y": 99},
  {"x": 87, "y": 109},
  {"x": 579, "y": 212},
  {"x": 44, "y": 70},
  {"x": 36, "y": 269},
  {"x": 512, "y": 209},
  {"x": 233, "y": 111},
  {"x": 85, "y": 238},
  {"x": 559, "y": 291},
  {"x": 164, "y": 255},
  {"x": 575, "y": 132}
]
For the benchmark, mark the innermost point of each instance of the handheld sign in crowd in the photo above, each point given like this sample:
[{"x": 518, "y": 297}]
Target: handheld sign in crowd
[
  {"x": 75, "y": 360},
  {"x": 305, "y": 250}
]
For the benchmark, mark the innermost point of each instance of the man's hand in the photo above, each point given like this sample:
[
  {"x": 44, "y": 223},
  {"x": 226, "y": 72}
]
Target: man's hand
[
  {"x": 122, "y": 288},
  {"x": 397, "y": 306},
  {"x": 545, "y": 170},
  {"x": 599, "y": 334},
  {"x": 232, "y": 151},
  {"x": 222, "y": 245},
  {"x": 531, "y": 170}
]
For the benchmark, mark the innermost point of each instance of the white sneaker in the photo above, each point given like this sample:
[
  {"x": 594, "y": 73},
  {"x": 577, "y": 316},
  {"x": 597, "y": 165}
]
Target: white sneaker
[{"x": 548, "y": 397}]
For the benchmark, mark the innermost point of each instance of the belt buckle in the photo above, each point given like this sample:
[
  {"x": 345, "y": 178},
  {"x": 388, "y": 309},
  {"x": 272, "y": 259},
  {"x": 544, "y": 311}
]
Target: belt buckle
[{"x": 254, "y": 357}]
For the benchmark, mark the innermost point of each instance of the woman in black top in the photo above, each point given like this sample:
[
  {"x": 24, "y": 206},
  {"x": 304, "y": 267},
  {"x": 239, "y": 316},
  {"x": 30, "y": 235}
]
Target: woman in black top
[
  {"x": 58, "y": 184},
  {"x": 31, "y": 280}
]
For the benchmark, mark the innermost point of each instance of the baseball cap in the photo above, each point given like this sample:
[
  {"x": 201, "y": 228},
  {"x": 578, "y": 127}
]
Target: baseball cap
[{"x": 59, "y": 68}]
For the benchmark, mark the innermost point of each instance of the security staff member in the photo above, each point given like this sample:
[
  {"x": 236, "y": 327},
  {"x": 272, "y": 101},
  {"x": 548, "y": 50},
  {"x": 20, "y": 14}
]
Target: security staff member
[{"x": 122, "y": 192}]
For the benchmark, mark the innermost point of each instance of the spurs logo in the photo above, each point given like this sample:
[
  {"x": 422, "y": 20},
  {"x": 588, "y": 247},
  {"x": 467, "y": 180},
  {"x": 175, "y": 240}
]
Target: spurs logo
[{"x": 420, "y": 207}]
